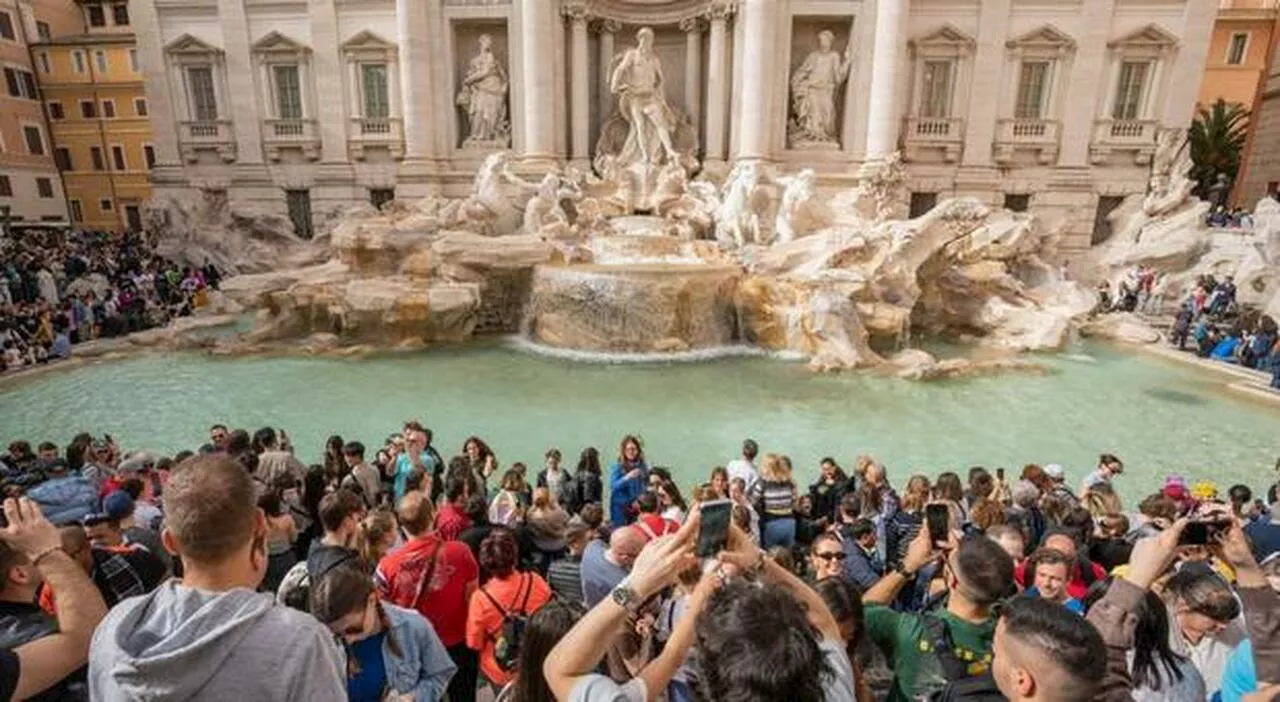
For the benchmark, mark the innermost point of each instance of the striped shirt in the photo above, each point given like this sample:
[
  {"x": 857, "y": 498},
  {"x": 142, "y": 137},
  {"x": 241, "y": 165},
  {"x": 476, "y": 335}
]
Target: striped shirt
[
  {"x": 774, "y": 498},
  {"x": 565, "y": 578}
]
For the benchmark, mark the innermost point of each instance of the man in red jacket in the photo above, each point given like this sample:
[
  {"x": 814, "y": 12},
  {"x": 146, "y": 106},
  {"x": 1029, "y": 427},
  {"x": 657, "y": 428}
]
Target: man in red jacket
[{"x": 1084, "y": 572}]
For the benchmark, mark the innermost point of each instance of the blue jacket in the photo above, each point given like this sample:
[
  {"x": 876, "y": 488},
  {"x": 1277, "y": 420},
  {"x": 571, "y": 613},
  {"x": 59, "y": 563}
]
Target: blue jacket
[
  {"x": 861, "y": 568},
  {"x": 423, "y": 667},
  {"x": 623, "y": 492}
]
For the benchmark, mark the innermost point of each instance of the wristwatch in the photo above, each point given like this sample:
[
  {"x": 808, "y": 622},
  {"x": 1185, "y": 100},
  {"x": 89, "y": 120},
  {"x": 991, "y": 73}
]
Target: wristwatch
[
  {"x": 901, "y": 569},
  {"x": 625, "y": 596}
]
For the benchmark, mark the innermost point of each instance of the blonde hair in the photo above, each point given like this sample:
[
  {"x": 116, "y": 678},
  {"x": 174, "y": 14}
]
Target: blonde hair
[
  {"x": 775, "y": 468},
  {"x": 373, "y": 531},
  {"x": 916, "y": 494},
  {"x": 542, "y": 499},
  {"x": 1102, "y": 501}
]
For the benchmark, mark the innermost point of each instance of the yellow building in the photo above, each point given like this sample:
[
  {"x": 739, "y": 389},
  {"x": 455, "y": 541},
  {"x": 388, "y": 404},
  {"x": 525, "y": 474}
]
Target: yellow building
[
  {"x": 97, "y": 108},
  {"x": 1239, "y": 51}
]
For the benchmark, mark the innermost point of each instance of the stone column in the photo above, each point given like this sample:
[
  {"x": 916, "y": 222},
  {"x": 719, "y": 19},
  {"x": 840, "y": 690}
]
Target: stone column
[
  {"x": 692, "y": 28},
  {"x": 1197, "y": 30},
  {"x": 985, "y": 93},
  {"x": 1079, "y": 105},
  {"x": 608, "y": 28},
  {"x": 580, "y": 130},
  {"x": 331, "y": 118},
  {"x": 539, "y": 32},
  {"x": 717, "y": 81},
  {"x": 164, "y": 118},
  {"x": 755, "y": 107},
  {"x": 243, "y": 94},
  {"x": 415, "y": 88},
  {"x": 882, "y": 112}
]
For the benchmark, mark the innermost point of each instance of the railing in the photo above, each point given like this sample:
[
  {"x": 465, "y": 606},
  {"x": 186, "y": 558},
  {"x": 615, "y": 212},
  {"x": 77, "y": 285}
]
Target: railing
[
  {"x": 1248, "y": 4},
  {"x": 289, "y": 129},
  {"x": 1027, "y": 131},
  {"x": 934, "y": 128},
  {"x": 385, "y": 132},
  {"x": 206, "y": 131},
  {"x": 1125, "y": 132}
]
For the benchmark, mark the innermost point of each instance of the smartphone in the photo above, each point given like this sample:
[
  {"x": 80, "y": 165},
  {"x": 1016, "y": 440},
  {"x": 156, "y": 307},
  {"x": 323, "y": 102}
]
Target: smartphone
[
  {"x": 1194, "y": 534},
  {"x": 1000, "y": 474},
  {"x": 713, "y": 532},
  {"x": 936, "y": 519}
]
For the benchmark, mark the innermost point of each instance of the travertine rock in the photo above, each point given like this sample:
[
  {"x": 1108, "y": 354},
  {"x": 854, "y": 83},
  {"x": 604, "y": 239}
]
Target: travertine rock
[{"x": 1120, "y": 327}]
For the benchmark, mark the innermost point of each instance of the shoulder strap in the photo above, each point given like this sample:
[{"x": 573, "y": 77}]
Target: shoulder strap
[
  {"x": 528, "y": 592},
  {"x": 939, "y": 638},
  {"x": 425, "y": 581},
  {"x": 499, "y": 607}
]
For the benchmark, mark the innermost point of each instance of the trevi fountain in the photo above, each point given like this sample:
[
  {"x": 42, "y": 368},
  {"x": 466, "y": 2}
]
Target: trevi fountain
[{"x": 644, "y": 253}]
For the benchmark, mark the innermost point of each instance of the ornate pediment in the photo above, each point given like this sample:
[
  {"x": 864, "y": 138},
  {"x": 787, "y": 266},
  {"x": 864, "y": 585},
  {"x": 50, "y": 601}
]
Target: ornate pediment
[
  {"x": 1044, "y": 38},
  {"x": 367, "y": 40},
  {"x": 1152, "y": 36},
  {"x": 191, "y": 46},
  {"x": 277, "y": 43},
  {"x": 944, "y": 40}
]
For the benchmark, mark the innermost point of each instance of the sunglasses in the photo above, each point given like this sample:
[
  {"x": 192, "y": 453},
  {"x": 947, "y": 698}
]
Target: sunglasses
[{"x": 836, "y": 555}]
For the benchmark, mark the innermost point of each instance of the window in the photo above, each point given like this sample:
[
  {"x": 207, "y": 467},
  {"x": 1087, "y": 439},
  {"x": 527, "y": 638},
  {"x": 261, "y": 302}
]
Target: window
[
  {"x": 921, "y": 203},
  {"x": 133, "y": 60},
  {"x": 6, "y": 187},
  {"x": 77, "y": 60},
  {"x": 44, "y": 187},
  {"x": 12, "y": 82},
  {"x": 299, "y": 203},
  {"x": 55, "y": 111},
  {"x": 106, "y": 205},
  {"x": 97, "y": 16},
  {"x": 29, "y": 90},
  {"x": 1033, "y": 90},
  {"x": 936, "y": 89},
  {"x": 77, "y": 213},
  {"x": 117, "y": 158},
  {"x": 1237, "y": 48},
  {"x": 21, "y": 83},
  {"x": 44, "y": 63},
  {"x": 288, "y": 92},
  {"x": 6, "y": 27},
  {"x": 43, "y": 31},
  {"x": 100, "y": 57},
  {"x": 381, "y": 196},
  {"x": 1102, "y": 218},
  {"x": 373, "y": 80},
  {"x": 1130, "y": 89},
  {"x": 95, "y": 156},
  {"x": 149, "y": 155},
  {"x": 88, "y": 109},
  {"x": 204, "y": 103},
  {"x": 62, "y": 159},
  {"x": 35, "y": 140},
  {"x": 120, "y": 14},
  {"x": 140, "y": 107},
  {"x": 109, "y": 109},
  {"x": 1016, "y": 202}
]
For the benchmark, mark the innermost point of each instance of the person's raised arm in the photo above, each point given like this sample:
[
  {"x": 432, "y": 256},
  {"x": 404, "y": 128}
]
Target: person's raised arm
[
  {"x": 919, "y": 553},
  {"x": 579, "y": 651},
  {"x": 1261, "y": 603},
  {"x": 659, "y": 671},
  {"x": 743, "y": 553},
  {"x": 47, "y": 660}
]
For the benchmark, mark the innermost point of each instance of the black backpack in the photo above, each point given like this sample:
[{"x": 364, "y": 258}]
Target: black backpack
[
  {"x": 962, "y": 686},
  {"x": 506, "y": 646}
]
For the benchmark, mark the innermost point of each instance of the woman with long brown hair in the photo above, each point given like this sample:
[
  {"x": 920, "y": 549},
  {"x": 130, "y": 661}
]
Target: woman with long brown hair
[
  {"x": 628, "y": 478},
  {"x": 390, "y": 650}
]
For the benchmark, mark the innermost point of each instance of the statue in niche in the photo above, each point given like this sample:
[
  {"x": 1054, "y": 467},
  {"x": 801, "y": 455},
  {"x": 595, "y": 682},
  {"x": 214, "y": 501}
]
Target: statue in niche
[
  {"x": 813, "y": 93},
  {"x": 637, "y": 81},
  {"x": 484, "y": 97}
]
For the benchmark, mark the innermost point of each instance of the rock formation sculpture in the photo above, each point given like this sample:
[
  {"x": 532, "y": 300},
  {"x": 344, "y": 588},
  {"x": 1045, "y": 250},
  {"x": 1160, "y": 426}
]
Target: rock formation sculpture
[{"x": 801, "y": 211}]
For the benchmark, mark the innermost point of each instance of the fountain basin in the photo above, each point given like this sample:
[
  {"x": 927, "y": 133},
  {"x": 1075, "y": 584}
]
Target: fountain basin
[{"x": 633, "y": 308}]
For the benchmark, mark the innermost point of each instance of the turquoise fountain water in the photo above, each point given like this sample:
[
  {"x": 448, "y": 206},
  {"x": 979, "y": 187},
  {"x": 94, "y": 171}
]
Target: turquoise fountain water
[{"x": 1159, "y": 418}]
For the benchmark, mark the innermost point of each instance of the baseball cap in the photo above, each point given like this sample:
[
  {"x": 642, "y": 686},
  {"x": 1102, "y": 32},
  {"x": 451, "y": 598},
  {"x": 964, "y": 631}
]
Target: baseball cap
[
  {"x": 1175, "y": 487},
  {"x": 1055, "y": 471},
  {"x": 117, "y": 505},
  {"x": 137, "y": 461}
]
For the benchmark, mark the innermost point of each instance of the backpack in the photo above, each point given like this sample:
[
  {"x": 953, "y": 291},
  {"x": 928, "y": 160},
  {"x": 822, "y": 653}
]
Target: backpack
[
  {"x": 66, "y": 501},
  {"x": 506, "y": 646},
  {"x": 962, "y": 686}
]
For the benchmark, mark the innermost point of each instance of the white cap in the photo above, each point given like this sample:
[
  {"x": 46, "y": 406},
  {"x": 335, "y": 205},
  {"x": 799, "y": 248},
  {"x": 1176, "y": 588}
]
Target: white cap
[{"x": 1055, "y": 471}]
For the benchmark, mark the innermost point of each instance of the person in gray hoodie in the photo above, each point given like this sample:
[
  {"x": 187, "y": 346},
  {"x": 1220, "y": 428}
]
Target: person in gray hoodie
[{"x": 211, "y": 636}]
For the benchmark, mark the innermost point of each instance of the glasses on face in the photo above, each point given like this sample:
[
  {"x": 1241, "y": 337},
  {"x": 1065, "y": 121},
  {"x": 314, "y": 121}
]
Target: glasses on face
[{"x": 830, "y": 556}]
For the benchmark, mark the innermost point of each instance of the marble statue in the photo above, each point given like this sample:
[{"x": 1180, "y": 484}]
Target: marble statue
[
  {"x": 637, "y": 81},
  {"x": 543, "y": 214},
  {"x": 1170, "y": 183},
  {"x": 484, "y": 97},
  {"x": 488, "y": 209},
  {"x": 801, "y": 211},
  {"x": 742, "y": 208},
  {"x": 813, "y": 94}
]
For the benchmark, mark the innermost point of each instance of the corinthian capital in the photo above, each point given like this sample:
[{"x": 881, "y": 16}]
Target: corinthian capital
[
  {"x": 721, "y": 9},
  {"x": 689, "y": 25},
  {"x": 574, "y": 10},
  {"x": 608, "y": 26}
]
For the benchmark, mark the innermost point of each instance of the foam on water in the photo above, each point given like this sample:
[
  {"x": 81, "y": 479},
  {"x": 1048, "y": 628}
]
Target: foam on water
[{"x": 526, "y": 344}]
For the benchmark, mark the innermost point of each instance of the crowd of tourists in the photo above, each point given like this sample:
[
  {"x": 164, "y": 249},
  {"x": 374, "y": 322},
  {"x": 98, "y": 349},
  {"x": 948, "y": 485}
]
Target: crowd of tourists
[
  {"x": 385, "y": 572},
  {"x": 62, "y": 288}
]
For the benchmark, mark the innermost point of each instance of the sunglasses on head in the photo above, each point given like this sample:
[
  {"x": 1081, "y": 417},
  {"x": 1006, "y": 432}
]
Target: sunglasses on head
[{"x": 836, "y": 555}]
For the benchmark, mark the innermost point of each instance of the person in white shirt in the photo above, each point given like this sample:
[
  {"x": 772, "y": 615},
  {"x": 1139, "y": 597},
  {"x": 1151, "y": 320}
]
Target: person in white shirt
[{"x": 745, "y": 467}]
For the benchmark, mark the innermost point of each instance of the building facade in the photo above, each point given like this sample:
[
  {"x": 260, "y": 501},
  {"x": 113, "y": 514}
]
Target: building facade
[
  {"x": 1240, "y": 50},
  {"x": 31, "y": 192},
  {"x": 1053, "y": 107},
  {"x": 96, "y": 102}
]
